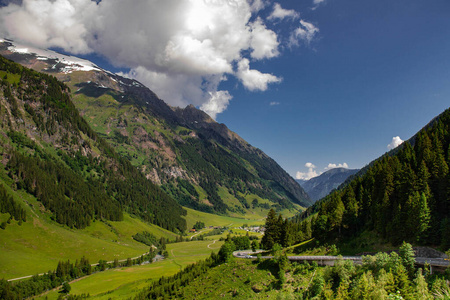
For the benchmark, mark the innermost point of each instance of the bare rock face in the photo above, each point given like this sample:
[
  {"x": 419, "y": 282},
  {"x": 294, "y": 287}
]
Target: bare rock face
[
  {"x": 176, "y": 172},
  {"x": 152, "y": 175}
]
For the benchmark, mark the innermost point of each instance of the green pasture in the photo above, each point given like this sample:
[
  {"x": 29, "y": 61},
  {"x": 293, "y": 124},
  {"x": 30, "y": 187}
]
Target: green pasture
[
  {"x": 124, "y": 282},
  {"x": 38, "y": 244},
  {"x": 214, "y": 220}
]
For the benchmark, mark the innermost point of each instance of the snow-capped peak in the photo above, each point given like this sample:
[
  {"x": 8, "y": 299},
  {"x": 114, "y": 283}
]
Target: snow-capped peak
[{"x": 70, "y": 63}]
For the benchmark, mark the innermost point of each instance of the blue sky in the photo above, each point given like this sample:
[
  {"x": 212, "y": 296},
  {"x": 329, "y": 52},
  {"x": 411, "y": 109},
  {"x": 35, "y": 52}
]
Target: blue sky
[
  {"x": 314, "y": 83},
  {"x": 376, "y": 70}
]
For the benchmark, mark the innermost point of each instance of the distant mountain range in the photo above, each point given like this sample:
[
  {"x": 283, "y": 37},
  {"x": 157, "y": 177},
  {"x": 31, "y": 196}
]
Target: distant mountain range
[
  {"x": 320, "y": 186},
  {"x": 194, "y": 159}
]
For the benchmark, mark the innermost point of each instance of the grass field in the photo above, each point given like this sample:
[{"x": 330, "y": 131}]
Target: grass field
[
  {"x": 124, "y": 282},
  {"x": 37, "y": 245},
  {"x": 214, "y": 220}
]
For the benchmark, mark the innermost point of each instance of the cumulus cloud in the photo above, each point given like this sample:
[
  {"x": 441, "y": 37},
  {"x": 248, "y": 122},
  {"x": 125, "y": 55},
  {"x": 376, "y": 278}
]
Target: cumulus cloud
[
  {"x": 49, "y": 24},
  {"x": 334, "y": 166},
  {"x": 281, "y": 13},
  {"x": 396, "y": 141},
  {"x": 254, "y": 80},
  {"x": 172, "y": 88},
  {"x": 274, "y": 103},
  {"x": 182, "y": 50},
  {"x": 264, "y": 41},
  {"x": 311, "y": 173},
  {"x": 306, "y": 33},
  {"x": 217, "y": 103},
  {"x": 310, "y": 165}
]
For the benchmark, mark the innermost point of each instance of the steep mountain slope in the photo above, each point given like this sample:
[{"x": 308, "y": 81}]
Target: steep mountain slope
[
  {"x": 197, "y": 161},
  {"x": 48, "y": 150},
  {"x": 402, "y": 196},
  {"x": 320, "y": 186}
]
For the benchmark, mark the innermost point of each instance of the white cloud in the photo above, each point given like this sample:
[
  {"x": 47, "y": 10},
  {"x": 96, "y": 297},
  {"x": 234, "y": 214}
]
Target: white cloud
[
  {"x": 49, "y": 24},
  {"x": 274, "y": 103},
  {"x": 311, "y": 173},
  {"x": 172, "y": 88},
  {"x": 306, "y": 32},
  {"x": 281, "y": 13},
  {"x": 257, "y": 5},
  {"x": 264, "y": 41},
  {"x": 396, "y": 141},
  {"x": 317, "y": 3},
  {"x": 254, "y": 80},
  {"x": 217, "y": 103},
  {"x": 180, "y": 49},
  {"x": 310, "y": 165},
  {"x": 334, "y": 166}
]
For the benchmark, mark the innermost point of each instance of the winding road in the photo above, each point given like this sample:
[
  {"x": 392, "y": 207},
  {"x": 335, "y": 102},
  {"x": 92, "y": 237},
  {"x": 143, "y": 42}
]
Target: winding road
[{"x": 436, "y": 264}]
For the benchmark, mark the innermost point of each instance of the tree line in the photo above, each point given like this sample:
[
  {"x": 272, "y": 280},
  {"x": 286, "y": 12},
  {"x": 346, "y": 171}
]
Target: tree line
[{"x": 12, "y": 207}]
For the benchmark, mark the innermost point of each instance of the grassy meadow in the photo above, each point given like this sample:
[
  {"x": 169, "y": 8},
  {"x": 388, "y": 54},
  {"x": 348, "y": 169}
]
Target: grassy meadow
[
  {"x": 37, "y": 245},
  {"x": 124, "y": 282}
]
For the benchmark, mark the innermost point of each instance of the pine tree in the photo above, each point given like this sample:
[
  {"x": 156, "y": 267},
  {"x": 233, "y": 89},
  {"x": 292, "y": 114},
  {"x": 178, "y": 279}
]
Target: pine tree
[
  {"x": 272, "y": 231},
  {"x": 420, "y": 290},
  {"x": 406, "y": 254},
  {"x": 423, "y": 219}
]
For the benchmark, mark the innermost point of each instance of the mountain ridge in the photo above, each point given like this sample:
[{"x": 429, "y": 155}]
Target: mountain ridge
[
  {"x": 156, "y": 137},
  {"x": 320, "y": 186}
]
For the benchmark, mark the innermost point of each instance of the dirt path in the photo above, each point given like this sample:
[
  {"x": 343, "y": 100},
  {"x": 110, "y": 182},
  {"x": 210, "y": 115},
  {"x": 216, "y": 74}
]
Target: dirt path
[
  {"x": 196, "y": 234},
  {"x": 212, "y": 244}
]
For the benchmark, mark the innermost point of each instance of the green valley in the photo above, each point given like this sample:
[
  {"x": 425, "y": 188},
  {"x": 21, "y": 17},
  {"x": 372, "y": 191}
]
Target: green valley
[{"x": 113, "y": 194}]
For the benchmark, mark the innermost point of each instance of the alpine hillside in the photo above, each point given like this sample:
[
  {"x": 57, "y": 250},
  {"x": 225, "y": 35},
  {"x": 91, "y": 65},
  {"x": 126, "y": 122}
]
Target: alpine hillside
[
  {"x": 195, "y": 160},
  {"x": 48, "y": 150}
]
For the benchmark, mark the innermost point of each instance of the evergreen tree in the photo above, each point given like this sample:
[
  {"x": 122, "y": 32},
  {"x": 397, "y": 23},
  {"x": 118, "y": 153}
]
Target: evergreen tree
[
  {"x": 272, "y": 233},
  {"x": 420, "y": 290},
  {"x": 406, "y": 254},
  {"x": 254, "y": 245},
  {"x": 423, "y": 219}
]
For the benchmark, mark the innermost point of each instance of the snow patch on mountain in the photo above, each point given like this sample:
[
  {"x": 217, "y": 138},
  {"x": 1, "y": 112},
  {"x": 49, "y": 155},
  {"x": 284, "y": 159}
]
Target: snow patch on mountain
[{"x": 70, "y": 63}]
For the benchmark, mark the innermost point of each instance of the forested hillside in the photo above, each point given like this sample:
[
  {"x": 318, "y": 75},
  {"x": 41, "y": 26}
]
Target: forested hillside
[
  {"x": 49, "y": 150},
  {"x": 403, "y": 196},
  {"x": 194, "y": 159}
]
